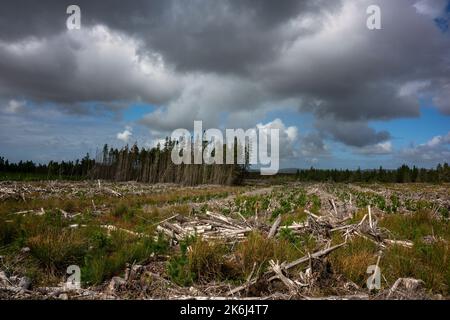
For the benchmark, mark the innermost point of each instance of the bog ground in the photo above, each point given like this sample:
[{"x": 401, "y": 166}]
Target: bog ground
[{"x": 286, "y": 241}]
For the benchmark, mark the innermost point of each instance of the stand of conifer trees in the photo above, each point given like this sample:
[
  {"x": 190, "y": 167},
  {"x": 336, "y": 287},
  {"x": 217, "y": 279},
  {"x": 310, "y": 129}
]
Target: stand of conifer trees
[{"x": 155, "y": 165}]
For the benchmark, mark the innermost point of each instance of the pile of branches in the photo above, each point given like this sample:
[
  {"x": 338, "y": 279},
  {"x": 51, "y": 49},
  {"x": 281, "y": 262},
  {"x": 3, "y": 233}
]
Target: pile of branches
[
  {"x": 214, "y": 226},
  {"x": 13, "y": 191},
  {"x": 211, "y": 226}
]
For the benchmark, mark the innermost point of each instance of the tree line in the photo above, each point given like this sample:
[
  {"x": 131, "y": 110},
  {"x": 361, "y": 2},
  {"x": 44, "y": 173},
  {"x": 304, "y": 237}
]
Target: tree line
[
  {"x": 154, "y": 165},
  {"x": 77, "y": 169},
  {"x": 404, "y": 174}
]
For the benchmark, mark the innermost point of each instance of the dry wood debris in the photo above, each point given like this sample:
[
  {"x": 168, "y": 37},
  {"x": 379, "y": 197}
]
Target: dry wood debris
[
  {"x": 309, "y": 269},
  {"x": 209, "y": 226}
]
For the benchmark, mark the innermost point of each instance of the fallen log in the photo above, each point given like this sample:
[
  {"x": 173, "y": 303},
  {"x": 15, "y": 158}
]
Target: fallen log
[
  {"x": 114, "y": 228},
  {"x": 313, "y": 256},
  {"x": 289, "y": 283},
  {"x": 296, "y": 226},
  {"x": 406, "y": 244},
  {"x": 274, "y": 228}
]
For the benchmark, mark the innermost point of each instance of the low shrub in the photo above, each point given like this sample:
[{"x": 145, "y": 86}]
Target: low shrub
[
  {"x": 57, "y": 249},
  {"x": 428, "y": 262},
  {"x": 109, "y": 256},
  {"x": 206, "y": 260},
  {"x": 178, "y": 265},
  {"x": 260, "y": 250},
  {"x": 353, "y": 259}
]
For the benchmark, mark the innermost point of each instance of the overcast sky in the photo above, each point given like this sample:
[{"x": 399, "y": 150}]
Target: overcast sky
[{"x": 343, "y": 95}]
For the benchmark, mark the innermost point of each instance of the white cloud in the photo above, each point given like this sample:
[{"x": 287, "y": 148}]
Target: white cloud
[
  {"x": 207, "y": 97},
  {"x": 125, "y": 135},
  {"x": 413, "y": 87},
  {"x": 437, "y": 141},
  {"x": 381, "y": 148},
  {"x": 432, "y": 8},
  {"x": 288, "y": 137},
  {"x": 15, "y": 106},
  {"x": 433, "y": 151}
]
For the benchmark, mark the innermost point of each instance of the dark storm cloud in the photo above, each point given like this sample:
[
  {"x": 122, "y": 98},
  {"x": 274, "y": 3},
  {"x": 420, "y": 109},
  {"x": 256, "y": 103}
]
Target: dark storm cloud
[
  {"x": 357, "y": 73},
  {"x": 356, "y": 134},
  {"x": 313, "y": 145},
  {"x": 226, "y": 36},
  {"x": 218, "y": 36},
  {"x": 384, "y": 103},
  {"x": 24, "y": 18},
  {"x": 195, "y": 36},
  {"x": 201, "y": 58}
]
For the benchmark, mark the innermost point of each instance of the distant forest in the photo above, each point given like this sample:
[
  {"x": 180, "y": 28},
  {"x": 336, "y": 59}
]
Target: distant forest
[
  {"x": 154, "y": 165},
  {"x": 404, "y": 174}
]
